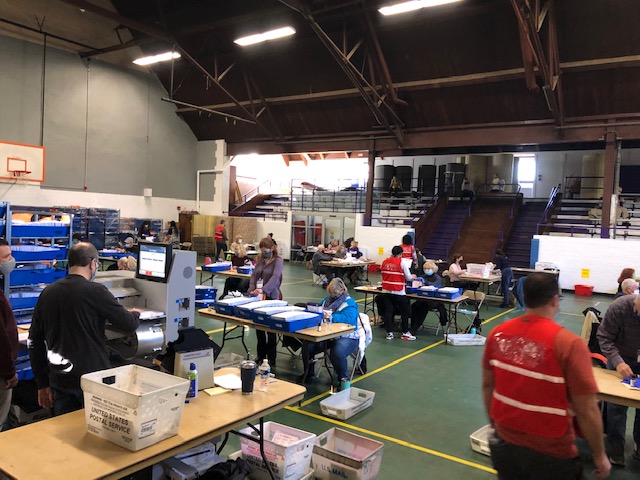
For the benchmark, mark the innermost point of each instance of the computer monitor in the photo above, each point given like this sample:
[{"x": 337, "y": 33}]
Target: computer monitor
[{"x": 154, "y": 261}]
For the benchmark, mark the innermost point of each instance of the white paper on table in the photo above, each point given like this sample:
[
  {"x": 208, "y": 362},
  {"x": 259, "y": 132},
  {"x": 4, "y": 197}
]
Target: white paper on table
[
  {"x": 150, "y": 315},
  {"x": 229, "y": 381}
]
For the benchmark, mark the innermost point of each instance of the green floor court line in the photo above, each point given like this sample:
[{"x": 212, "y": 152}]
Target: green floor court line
[{"x": 388, "y": 438}]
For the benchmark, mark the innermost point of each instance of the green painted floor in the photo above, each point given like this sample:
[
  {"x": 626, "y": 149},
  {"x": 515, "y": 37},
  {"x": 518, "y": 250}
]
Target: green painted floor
[{"x": 428, "y": 398}]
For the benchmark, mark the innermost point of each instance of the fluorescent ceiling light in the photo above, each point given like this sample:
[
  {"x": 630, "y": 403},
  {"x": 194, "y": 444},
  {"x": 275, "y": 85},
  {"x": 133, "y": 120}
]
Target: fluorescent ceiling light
[
  {"x": 263, "y": 37},
  {"x": 161, "y": 57},
  {"x": 412, "y": 5}
]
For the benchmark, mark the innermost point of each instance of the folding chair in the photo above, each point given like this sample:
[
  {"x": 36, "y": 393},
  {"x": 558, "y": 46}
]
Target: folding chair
[
  {"x": 185, "y": 246},
  {"x": 319, "y": 279},
  {"x": 470, "y": 307},
  {"x": 366, "y": 336}
]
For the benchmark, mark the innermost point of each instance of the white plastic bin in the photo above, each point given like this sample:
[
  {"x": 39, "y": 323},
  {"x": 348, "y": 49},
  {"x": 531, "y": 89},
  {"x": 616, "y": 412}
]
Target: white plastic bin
[
  {"x": 465, "y": 339},
  {"x": 480, "y": 440},
  {"x": 347, "y": 403},
  {"x": 339, "y": 454},
  {"x": 133, "y": 406},
  {"x": 479, "y": 269},
  {"x": 287, "y": 449}
]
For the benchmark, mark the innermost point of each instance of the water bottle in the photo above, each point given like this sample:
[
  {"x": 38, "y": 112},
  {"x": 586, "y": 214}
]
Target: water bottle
[
  {"x": 192, "y": 375},
  {"x": 472, "y": 331},
  {"x": 265, "y": 373},
  {"x": 329, "y": 321}
]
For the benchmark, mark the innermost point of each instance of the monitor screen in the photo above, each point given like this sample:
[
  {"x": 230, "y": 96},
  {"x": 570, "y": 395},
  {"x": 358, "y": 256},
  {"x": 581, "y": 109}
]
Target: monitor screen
[{"x": 154, "y": 261}]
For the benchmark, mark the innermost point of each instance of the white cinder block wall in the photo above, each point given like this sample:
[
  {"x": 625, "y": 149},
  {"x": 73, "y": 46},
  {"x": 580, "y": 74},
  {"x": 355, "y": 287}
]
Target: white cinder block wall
[{"x": 589, "y": 261}]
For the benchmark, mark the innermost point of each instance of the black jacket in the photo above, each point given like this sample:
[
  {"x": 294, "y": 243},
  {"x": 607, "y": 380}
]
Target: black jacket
[
  {"x": 70, "y": 317},
  {"x": 8, "y": 339}
]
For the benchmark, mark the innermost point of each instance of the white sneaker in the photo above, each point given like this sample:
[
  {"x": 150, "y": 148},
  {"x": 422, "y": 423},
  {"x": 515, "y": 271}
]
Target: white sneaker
[
  {"x": 389, "y": 335},
  {"x": 408, "y": 336}
]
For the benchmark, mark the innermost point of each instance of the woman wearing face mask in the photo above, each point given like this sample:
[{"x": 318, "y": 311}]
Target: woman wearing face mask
[
  {"x": 344, "y": 310},
  {"x": 420, "y": 308},
  {"x": 265, "y": 281}
]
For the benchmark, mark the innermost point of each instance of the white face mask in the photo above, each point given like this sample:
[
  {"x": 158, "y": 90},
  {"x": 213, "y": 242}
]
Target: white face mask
[
  {"x": 429, "y": 273},
  {"x": 239, "y": 240},
  {"x": 7, "y": 267}
]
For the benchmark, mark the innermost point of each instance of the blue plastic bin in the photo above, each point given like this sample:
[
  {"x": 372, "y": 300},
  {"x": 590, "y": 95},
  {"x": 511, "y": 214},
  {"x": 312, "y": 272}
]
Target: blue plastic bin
[
  {"x": 22, "y": 302},
  {"x": 295, "y": 325},
  {"x": 28, "y": 253},
  {"x": 34, "y": 230},
  {"x": 28, "y": 276}
]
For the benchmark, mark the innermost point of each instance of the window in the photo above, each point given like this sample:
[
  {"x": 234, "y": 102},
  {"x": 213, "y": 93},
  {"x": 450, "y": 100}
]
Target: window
[{"x": 526, "y": 171}]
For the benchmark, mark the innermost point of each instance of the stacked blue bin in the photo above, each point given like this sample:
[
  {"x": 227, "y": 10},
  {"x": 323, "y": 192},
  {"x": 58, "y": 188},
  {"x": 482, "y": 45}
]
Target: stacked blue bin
[{"x": 205, "y": 296}]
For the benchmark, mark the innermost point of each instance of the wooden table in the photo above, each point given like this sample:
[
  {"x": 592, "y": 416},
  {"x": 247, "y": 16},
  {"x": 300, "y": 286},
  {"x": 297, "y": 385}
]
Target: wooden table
[
  {"x": 311, "y": 334},
  {"x": 227, "y": 273},
  {"x": 491, "y": 279},
  {"x": 613, "y": 391},
  {"x": 61, "y": 448},
  {"x": 348, "y": 265},
  {"x": 451, "y": 304}
]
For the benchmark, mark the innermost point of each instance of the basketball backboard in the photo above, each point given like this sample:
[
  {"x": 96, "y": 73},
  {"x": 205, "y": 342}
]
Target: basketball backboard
[{"x": 22, "y": 162}]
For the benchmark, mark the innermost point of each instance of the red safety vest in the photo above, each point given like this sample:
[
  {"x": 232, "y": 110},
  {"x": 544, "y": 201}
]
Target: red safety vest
[
  {"x": 392, "y": 274},
  {"x": 219, "y": 229},
  {"x": 530, "y": 392},
  {"x": 407, "y": 251}
]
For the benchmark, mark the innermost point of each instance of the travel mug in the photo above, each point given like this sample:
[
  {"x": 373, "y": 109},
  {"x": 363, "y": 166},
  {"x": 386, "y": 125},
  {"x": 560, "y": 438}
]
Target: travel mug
[{"x": 247, "y": 376}]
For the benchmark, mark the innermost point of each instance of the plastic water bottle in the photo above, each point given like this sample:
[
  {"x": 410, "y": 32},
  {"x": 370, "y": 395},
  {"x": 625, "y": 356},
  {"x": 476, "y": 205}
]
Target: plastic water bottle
[
  {"x": 472, "y": 331},
  {"x": 329, "y": 321},
  {"x": 265, "y": 374},
  {"x": 193, "y": 381}
]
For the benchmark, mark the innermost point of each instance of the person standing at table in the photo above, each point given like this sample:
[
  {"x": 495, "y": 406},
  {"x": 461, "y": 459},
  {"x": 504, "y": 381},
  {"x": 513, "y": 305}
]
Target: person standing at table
[
  {"x": 9, "y": 346},
  {"x": 266, "y": 280},
  {"x": 221, "y": 239},
  {"x": 66, "y": 338},
  {"x": 536, "y": 380},
  {"x": 619, "y": 338},
  {"x": 395, "y": 272},
  {"x": 502, "y": 264}
]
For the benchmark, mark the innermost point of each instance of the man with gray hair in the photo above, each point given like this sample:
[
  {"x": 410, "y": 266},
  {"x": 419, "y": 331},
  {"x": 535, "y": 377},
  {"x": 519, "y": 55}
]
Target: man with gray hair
[
  {"x": 619, "y": 337},
  {"x": 628, "y": 287},
  {"x": 67, "y": 338}
]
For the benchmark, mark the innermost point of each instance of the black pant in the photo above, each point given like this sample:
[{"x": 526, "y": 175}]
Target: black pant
[
  {"x": 267, "y": 343},
  {"x": 233, "y": 284},
  {"x": 388, "y": 304},
  {"x": 519, "y": 463},
  {"x": 419, "y": 311},
  {"x": 66, "y": 399},
  {"x": 221, "y": 247}
]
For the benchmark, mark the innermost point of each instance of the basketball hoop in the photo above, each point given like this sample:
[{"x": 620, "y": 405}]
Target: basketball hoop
[{"x": 19, "y": 173}]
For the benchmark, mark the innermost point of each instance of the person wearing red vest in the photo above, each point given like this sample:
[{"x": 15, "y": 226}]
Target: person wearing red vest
[
  {"x": 409, "y": 250},
  {"x": 536, "y": 376},
  {"x": 395, "y": 273},
  {"x": 221, "y": 240}
]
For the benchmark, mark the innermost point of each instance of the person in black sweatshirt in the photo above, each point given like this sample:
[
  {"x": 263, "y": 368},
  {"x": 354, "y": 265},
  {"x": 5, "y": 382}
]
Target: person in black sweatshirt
[
  {"x": 67, "y": 335},
  {"x": 502, "y": 264}
]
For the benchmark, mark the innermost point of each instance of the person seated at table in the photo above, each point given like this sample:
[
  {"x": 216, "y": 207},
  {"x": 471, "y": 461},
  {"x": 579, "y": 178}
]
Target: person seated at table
[
  {"x": 354, "y": 250},
  {"x": 237, "y": 244},
  {"x": 421, "y": 307},
  {"x": 332, "y": 246},
  {"x": 344, "y": 309},
  {"x": 124, "y": 263},
  {"x": 318, "y": 269},
  {"x": 456, "y": 270},
  {"x": 240, "y": 257},
  {"x": 626, "y": 273},
  {"x": 629, "y": 287}
]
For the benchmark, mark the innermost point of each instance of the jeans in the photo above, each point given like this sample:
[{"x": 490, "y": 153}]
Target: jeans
[
  {"x": 387, "y": 305},
  {"x": 507, "y": 276},
  {"x": 617, "y": 418},
  {"x": 519, "y": 463},
  {"x": 339, "y": 351},
  {"x": 66, "y": 399}
]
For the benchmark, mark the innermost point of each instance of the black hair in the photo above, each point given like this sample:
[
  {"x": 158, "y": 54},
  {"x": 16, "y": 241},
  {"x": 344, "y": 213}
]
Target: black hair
[
  {"x": 539, "y": 289},
  {"x": 81, "y": 254},
  {"x": 456, "y": 256},
  {"x": 397, "y": 250},
  {"x": 500, "y": 253},
  {"x": 407, "y": 240}
]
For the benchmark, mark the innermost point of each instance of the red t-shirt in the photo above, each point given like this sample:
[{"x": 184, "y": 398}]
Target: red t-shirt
[{"x": 575, "y": 362}]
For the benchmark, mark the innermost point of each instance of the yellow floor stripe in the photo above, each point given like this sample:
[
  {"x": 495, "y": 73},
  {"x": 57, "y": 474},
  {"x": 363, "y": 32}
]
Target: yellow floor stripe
[
  {"x": 217, "y": 330},
  {"x": 394, "y": 440}
]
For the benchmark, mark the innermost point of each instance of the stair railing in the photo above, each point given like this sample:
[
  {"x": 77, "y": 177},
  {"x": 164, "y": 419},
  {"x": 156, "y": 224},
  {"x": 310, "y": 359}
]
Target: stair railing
[{"x": 554, "y": 197}]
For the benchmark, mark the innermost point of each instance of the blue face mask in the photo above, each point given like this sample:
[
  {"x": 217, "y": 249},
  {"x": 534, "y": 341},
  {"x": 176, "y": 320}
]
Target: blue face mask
[
  {"x": 429, "y": 273},
  {"x": 267, "y": 254}
]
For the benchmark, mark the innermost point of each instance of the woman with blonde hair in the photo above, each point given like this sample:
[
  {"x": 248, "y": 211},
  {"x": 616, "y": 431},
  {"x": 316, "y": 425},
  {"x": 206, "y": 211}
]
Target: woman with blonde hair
[{"x": 265, "y": 281}]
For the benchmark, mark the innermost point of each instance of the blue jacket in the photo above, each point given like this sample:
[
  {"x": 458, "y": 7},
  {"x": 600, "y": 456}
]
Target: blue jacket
[{"x": 346, "y": 313}]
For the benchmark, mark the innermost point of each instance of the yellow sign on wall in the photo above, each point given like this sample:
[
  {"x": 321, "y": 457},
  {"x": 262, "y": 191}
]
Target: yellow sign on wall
[
  {"x": 380, "y": 250},
  {"x": 586, "y": 273}
]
